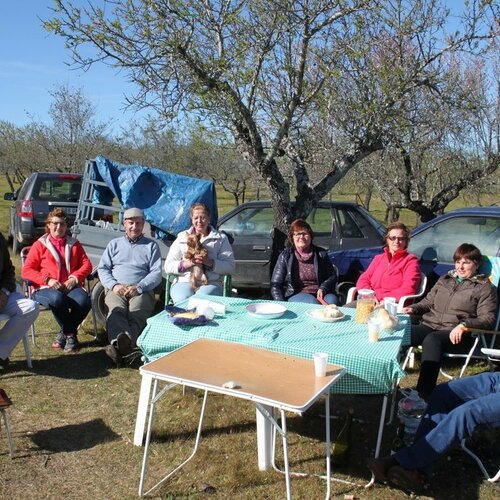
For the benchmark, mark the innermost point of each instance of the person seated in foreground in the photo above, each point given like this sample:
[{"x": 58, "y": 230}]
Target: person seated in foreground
[
  {"x": 460, "y": 299},
  {"x": 199, "y": 257},
  {"x": 395, "y": 272},
  {"x": 57, "y": 267},
  {"x": 22, "y": 312},
  {"x": 303, "y": 271},
  {"x": 130, "y": 270},
  {"x": 454, "y": 410}
]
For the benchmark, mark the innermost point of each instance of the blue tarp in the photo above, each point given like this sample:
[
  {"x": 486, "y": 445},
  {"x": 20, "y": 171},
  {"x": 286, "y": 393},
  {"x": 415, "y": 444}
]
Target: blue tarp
[{"x": 164, "y": 197}]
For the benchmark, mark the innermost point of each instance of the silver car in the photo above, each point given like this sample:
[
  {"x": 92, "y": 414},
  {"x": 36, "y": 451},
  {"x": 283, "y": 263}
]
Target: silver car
[{"x": 336, "y": 226}]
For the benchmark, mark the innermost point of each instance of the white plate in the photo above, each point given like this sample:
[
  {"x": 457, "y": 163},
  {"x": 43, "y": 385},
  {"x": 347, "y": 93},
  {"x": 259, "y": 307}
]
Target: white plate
[
  {"x": 266, "y": 310},
  {"x": 324, "y": 319}
]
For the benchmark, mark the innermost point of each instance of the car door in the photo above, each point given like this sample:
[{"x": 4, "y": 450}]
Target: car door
[{"x": 251, "y": 229}]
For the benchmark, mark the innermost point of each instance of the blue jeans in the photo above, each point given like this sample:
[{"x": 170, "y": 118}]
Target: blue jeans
[
  {"x": 69, "y": 309},
  {"x": 182, "y": 290},
  {"x": 455, "y": 409},
  {"x": 309, "y": 298}
]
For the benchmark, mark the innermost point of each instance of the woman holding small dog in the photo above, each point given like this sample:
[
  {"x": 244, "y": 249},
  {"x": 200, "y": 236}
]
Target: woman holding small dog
[
  {"x": 199, "y": 257},
  {"x": 303, "y": 271}
]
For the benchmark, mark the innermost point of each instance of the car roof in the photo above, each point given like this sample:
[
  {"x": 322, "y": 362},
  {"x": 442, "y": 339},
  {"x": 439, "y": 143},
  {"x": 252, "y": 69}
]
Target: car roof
[{"x": 491, "y": 211}]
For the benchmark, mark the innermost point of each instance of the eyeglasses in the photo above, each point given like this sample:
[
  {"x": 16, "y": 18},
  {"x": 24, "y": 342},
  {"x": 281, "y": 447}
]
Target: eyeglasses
[
  {"x": 58, "y": 223},
  {"x": 464, "y": 262},
  {"x": 300, "y": 235},
  {"x": 398, "y": 238}
]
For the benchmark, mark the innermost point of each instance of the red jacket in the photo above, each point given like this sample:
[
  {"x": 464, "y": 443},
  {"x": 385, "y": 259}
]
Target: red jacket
[
  {"x": 391, "y": 275},
  {"x": 43, "y": 262}
]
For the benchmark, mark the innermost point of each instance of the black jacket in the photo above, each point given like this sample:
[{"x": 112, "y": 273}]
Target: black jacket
[
  {"x": 284, "y": 280},
  {"x": 7, "y": 271}
]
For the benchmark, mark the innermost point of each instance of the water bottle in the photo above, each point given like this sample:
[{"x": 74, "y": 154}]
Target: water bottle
[{"x": 410, "y": 411}]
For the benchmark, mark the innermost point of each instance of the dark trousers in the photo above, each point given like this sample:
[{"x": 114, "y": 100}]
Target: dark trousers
[
  {"x": 69, "y": 309},
  {"x": 434, "y": 343}
]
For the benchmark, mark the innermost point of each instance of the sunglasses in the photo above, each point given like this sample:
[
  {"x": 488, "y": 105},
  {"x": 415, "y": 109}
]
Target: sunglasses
[{"x": 398, "y": 238}]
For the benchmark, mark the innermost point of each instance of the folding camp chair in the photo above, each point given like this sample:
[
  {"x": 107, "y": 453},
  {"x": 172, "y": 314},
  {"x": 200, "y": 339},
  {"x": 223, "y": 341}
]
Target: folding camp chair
[
  {"x": 29, "y": 291},
  {"x": 5, "y": 402},
  {"x": 482, "y": 338}
]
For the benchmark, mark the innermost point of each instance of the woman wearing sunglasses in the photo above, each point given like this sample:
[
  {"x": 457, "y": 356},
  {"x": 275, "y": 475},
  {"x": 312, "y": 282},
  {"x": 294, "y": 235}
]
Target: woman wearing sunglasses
[{"x": 395, "y": 272}]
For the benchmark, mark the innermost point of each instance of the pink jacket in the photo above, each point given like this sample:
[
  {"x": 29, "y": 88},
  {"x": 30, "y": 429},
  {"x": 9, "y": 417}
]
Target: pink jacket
[{"x": 391, "y": 275}]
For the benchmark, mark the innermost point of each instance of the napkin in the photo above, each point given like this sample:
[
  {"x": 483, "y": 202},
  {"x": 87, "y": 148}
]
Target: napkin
[{"x": 185, "y": 317}]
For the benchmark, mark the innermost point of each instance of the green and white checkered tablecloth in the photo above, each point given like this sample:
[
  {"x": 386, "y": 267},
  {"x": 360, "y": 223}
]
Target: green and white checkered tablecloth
[{"x": 371, "y": 367}]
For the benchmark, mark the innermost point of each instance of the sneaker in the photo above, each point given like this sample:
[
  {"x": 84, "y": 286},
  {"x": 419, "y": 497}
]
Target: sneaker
[
  {"x": 380, "y": 466},
  {"x": 60, "y": 341},
  {"x": 406, "y": 479},
  {"x": 71, "y": 344},
  {"x": 124, "y": 344},
  {"x": 113, "y": 353}
]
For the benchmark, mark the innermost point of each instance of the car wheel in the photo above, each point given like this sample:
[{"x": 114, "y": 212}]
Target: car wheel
[{"x": 98, "y": 305}]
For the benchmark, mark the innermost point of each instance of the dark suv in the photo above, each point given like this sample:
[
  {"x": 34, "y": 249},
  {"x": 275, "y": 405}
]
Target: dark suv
[
  {"x": 41, "y": 193},
  {"x": 336, "y": 226}
]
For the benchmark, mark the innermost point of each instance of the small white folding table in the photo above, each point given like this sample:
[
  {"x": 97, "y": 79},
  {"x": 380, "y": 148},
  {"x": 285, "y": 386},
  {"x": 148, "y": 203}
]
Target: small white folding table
[{"x": 269, "y": 379}]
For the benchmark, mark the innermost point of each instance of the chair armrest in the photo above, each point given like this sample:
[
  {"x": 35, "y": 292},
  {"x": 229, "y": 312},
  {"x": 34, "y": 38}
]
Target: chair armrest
[{"x": 351, "y": 294}]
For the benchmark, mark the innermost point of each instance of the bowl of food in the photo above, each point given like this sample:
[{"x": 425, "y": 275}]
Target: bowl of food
[{"x": 266, "y": 310}]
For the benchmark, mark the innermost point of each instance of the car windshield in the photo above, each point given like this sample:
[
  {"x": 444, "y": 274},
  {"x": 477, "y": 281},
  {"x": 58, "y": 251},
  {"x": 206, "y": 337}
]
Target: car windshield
[
  {"x": 258, "y": 221},
  {"x": 57, "y": 189},
  {"x": 484, "y": 232}
]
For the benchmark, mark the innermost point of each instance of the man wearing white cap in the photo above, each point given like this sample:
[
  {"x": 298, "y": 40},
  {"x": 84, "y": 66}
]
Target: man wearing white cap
[{"x": 130, "y": 270}]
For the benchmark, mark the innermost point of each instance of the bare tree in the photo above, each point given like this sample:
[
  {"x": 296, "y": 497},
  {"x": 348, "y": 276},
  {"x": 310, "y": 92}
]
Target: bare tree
[{"x": 266, "y": 69}]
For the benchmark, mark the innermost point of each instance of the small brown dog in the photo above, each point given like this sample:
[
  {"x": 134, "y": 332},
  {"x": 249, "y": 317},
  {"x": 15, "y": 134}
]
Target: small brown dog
[{"x": 195, "y": 248}]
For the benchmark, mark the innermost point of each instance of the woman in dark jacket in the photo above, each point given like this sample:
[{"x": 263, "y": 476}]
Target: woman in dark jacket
[
  {"x": 460, "y": 299},
  {"x": 303, "y": 272}
]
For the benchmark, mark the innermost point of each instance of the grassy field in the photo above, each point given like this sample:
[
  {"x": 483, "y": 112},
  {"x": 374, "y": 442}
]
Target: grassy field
[{"x": 73, "y": 419}]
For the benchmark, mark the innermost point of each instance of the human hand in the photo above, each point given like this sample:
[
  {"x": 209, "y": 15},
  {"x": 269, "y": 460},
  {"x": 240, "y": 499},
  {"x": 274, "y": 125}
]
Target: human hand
[
  {"x": 207, "y": 262},
  {"x": 3, "y": 300},
  {"x": 457, "y": 333},
  {"x": 131, "y": 291},
  {"x": 56, "y": 285},
  {"x": 120, "y": 289},
  {"x": 407, "y": 310},
  {"x": 319, "y": 294},
  {"x": 70, "y": 283}
]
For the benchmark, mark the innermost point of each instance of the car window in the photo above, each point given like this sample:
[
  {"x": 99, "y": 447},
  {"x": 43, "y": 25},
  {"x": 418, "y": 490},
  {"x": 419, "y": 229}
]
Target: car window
[
  {"x": 57, "y": 189},
  {"x": 251, "y": 221},
  {"x": 348, "y": 226},
  {"x": 320, "y": 220},
  {"x": 440, "y": 241}
]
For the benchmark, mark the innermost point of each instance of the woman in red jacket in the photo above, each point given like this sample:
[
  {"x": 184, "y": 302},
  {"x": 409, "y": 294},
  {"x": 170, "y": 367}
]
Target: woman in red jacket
[
  {"x": 57, "y": 266},
  {"x": 395, "y": 272}
]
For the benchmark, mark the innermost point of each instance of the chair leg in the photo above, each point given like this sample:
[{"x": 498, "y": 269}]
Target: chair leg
[
  {"x": 7, "y": 430},
  {"x": 33, "y": 339},
  {"x": 27, "y": 350}
]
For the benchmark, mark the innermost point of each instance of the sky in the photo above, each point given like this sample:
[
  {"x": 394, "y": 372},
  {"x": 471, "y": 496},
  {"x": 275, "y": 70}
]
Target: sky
[{"x": 34, "y": 62}]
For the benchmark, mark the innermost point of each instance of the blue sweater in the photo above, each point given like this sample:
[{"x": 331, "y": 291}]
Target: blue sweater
[{"x": 130, "y": 263}]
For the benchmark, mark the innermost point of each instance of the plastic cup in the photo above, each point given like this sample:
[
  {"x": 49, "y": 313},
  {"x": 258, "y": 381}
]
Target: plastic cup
[
  {"x": 373, "y": 330},
  {"x": 320, "y": 359}
]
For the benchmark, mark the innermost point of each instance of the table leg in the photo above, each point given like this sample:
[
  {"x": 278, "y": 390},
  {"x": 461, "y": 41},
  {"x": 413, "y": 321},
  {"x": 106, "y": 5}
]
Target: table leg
[
  {"x": 327, "y": 439},
  {"x": 264, "y": 438},
  {"x": 142, "y": 409},
  {"x": 379, "y": 435},
  {"x": 285, "y": 456}
]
